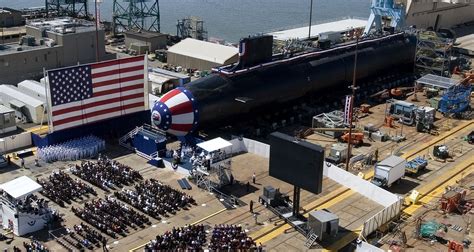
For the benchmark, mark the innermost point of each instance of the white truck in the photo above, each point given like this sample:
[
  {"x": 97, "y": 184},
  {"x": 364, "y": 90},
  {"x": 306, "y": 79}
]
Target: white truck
[{"x": 388, "y": 171}]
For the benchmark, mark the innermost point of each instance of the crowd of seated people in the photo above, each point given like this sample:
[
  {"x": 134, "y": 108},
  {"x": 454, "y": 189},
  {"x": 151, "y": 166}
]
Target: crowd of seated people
[
  {"x": 111, "y": 216},
  {"x": 188, "y": 238},
  {"x": 34, "y": 246},
  {"x": 106, "y": 173},
  {"x": 155, "y": 199},
  {"x": 33, "y": 205},
  {"x": 80, "y": 238},
  {"x": 61, "y": 188},
  {"x": 88, "y": 234},
  {"x": 230, "y": 238}
]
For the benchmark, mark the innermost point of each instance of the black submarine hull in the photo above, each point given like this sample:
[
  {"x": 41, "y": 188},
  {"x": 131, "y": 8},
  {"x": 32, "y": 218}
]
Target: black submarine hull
[{"x": 222, "y": 98}]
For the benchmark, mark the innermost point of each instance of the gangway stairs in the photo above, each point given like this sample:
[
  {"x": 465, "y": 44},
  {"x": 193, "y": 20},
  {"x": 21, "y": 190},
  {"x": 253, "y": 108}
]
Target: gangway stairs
[
  {"x": 146, "y": 156},
  {"x": 311, "y": 240},
  {"x": 148, "y": 133},
  {"x": 124, "y": 140}
]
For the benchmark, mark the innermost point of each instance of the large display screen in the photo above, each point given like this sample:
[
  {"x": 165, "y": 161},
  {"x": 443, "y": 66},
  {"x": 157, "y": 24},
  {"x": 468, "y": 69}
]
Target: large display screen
[{"x": 299, "y": 163}]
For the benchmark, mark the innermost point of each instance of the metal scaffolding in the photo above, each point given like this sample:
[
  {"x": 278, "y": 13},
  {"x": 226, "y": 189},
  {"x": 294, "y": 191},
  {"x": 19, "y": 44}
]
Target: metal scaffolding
[
  {"x": 143, "y": 15},
  {"x": 433, "y": 54},
  {"x": 383, "y": 10},
  {"x": 217, "y": 176},
  {"x": 70, "y": 8},
  {"x": 334, "y": 119},
  {"x": 191, "y": 27}
]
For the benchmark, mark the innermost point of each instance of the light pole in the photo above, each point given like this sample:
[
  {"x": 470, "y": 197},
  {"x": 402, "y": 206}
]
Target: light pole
[
  {"x": 354, "y": 88},
  {"x": 96, "y": 31},
  {"x": 310, "y": 17}
]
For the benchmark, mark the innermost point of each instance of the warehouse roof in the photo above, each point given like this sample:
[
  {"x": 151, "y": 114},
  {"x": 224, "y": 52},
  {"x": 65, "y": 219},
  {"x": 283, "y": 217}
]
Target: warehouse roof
[
  {"x": 170, "y": 73},
  {"x": 158, "y": 78},
  {"x": 63, "y": 25},
  {"x": 5, "y": 110},
  {"x": 144, "y": 34},
  {"x": 14, "y": 48},
  {"x": 13, "y": 92},
  {"x": 302, "y": 32},
  {"x": 204, "y": 50},
  {"x": 34, "y": 86}
]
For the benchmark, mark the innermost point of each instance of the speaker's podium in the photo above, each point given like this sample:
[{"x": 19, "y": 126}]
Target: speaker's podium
[{"x": 157, "y": 162}]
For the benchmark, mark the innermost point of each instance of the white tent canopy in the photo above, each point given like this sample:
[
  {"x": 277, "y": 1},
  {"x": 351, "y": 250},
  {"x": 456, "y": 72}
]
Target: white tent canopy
[
  {"x": 214, "y": 144},
  {"x": 20, "y": 187}
]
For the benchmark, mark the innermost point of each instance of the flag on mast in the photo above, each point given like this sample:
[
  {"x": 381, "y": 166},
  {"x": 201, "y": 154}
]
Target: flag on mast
[{"x": 89, "y": 93}]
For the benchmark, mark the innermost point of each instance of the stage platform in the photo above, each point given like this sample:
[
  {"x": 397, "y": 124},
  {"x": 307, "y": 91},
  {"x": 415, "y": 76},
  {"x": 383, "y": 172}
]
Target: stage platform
[{"x": 184, "y": 168}]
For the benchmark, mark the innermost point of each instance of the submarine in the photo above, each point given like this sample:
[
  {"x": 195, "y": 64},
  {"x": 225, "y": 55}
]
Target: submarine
[{"x": 261, "y": 81}]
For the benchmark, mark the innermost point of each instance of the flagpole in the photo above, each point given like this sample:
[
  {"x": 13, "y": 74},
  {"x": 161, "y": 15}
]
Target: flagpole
[
  {"x": 48, "y": 101},
  {"x": 96, "y": 33},
  {"x": 146, "y": 88}
]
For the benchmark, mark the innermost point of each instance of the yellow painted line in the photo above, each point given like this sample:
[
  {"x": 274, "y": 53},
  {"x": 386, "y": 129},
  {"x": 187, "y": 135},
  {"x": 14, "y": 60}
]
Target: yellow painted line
[
  {"x": 262, "y": 232},
  {"x": 329, "y": 200},
  {"x": 325, "y": 199},
  {"x": 39, "y": 129},
  {"x": 209, "y": 216},
  {"x": 273, "y": 234},
  {"x": 463, "y": 168},
  {"x": 436, "y": 140},
  {"x": 335, "y": 200},
  {"x": 347, "y": 193},
  {"x": 430, "y": 191},
  {"x": 330, "y": 196},
  {"x": 194, "y": 223},
  {"x": 137, "y": 248}
]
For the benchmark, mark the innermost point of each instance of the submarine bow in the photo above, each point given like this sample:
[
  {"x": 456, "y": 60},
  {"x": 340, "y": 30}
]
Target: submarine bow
[{"x": 176, "y": 112}]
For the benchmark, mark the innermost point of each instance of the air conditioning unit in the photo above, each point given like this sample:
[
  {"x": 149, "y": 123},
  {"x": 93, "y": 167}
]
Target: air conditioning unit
[{"x": 50, "y": 43}]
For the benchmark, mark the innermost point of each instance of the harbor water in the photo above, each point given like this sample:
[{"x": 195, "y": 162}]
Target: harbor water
[{"x": 233, "y": 19}]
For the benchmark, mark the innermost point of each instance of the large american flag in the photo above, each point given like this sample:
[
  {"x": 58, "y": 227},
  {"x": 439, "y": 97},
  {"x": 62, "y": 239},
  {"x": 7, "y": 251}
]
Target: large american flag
[{"x": 89, "y": 93}]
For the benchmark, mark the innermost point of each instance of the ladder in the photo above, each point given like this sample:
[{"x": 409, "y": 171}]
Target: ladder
[{"x": 311, "y": 240}]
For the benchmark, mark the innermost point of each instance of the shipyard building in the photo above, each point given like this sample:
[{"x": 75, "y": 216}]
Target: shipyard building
[
  {"x": 145, "y": 41},
  {"x": 10, "y": 17},
  {"x": 438, "y": 14},
  {"x": 27, "y": 108},
  {"x": 50, "y": 44},
  {"x": 201, "y": 55}
]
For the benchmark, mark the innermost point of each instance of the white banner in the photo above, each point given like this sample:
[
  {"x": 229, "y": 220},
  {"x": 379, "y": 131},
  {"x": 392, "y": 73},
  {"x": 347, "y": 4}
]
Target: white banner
[{"x": 347, "y": 109}]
